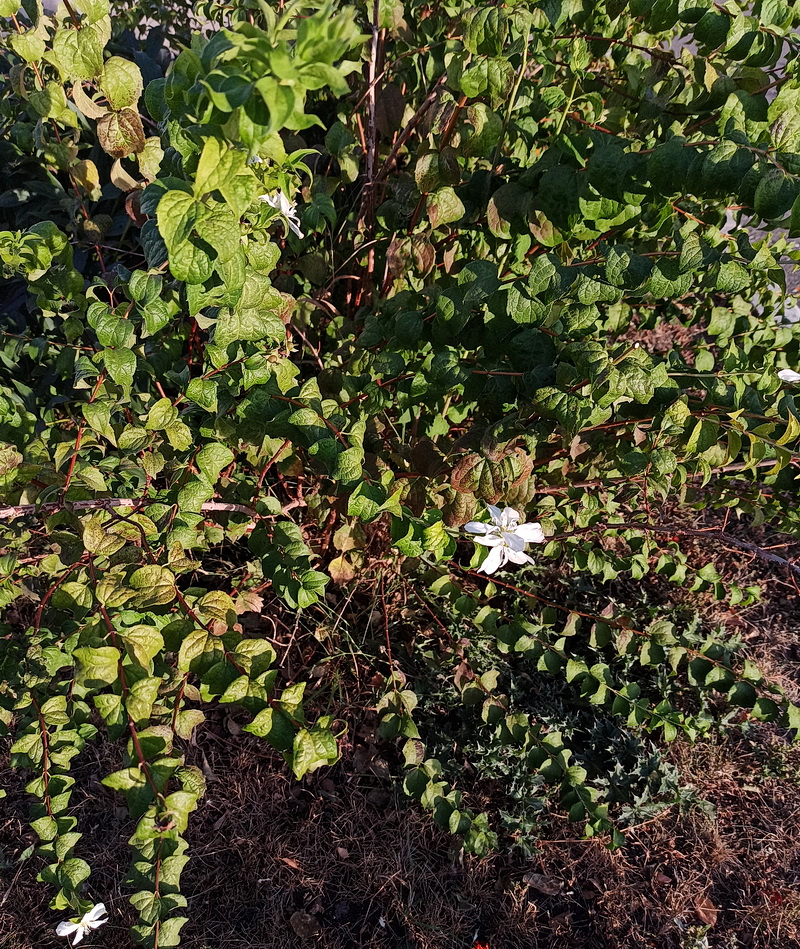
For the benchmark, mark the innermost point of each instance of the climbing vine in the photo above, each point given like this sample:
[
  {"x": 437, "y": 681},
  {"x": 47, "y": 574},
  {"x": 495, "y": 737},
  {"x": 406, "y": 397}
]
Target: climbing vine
[{"x": 305, "y": 291}]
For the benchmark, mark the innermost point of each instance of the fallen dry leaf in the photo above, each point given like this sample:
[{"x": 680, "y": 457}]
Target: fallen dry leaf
[
  {"x": 706, "y": 911},
  {"x": 290, "y": 862},
  {"x": 550, "y": 886},
  {"x": 304, "y": 925}
]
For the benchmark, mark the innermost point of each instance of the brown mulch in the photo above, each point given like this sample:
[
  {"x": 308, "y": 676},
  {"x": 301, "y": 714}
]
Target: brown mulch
[{"x": 339, "y": 861}]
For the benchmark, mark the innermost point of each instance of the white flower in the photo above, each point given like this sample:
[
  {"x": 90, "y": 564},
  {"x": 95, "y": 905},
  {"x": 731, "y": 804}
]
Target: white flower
[
  {"x": 284, "y": 206},
  {"x": 88, "y": 922},
  {"x": 788, "y": 375},
  {"x": 506, "y": 536}
]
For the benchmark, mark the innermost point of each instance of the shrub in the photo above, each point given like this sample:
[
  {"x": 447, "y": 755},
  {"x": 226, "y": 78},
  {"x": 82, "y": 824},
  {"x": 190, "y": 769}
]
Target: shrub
[{"x": 300, "y": 294}]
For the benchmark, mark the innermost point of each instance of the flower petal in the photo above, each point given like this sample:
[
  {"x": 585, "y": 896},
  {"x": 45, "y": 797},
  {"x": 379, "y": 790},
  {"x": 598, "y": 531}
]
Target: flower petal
[
  {"x": 788, "y": 375},
  {"x": 496, "y": 513},
  {"x": 66, "y": 928},
  {"x": 478, "y": 527},
  {"x": 82, "y": 930},
  {"x": 512, "y": 540},
  {"x": 98, "y": 910},
  {"x": 285, "y": 205},
  {"x": 531, "y": 533},
  {"x": 294, "y": 224},
  {"x": 489, "y": 540},
  {"x": 510, "y": 517},
  {"x": 518, "y": 556},
  {"x": 495, "y": 560}
]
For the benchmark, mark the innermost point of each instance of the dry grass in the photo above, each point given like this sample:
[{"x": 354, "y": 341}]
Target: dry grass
[
  {"x": 370, "y": 872},
  {"x": 340, "y": 862}
]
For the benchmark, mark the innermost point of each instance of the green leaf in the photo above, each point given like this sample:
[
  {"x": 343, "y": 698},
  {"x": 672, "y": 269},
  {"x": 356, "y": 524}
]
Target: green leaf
[
  {"x": 211, "y": 459},
  {"x": 121, "y": 83},
  {"x": 96, "y": 665},
  {"x": 98, "y": 417},
  {"x": 161, "y": 415},
  {"x": 190, "y": 258},
  {"x": 485, "y": 31},
  {"x": 155, "y": 586},
  {"x": 775, "y": 195},
  {"x": 224, "y": 169},
  {"x": 121, "y": 366},
  {"x": 98, "y": 540},
  {"x": 312, "y": 587},
  {"x": 313, "y": 749},
  {"x": 203, "y": 392},
  {"x": 703, "y": 436},
  {"x": 28, "y": 45},
  {"x": 78, "y": 54},
  {"x": 257, "y": 315},
  {"x": 193, "y": 647},
  {"x": 444, "y": 207},
  {"x": 51, "y": 103},
  {"x": 143, "y": 643},
  {"x": 275, "y": 727},
  {"x": 179, "y": 435}
]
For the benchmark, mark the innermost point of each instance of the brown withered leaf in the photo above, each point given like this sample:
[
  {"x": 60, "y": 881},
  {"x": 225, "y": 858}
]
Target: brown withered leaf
[
  {"x": 133, "y": 208},
  {"x": 389, "y": 107},
  {"x": 548, "y": 885},
  {"x": 290, "y": 862},
  {"x": 459, "y": 508},
  {"x": 121, "y": 133},
  {"x": 248, "y": 602},
  {"x": 304, "y": 925},
  {"x": 341, "y": 570},
  {"x": 489, "y": 479},
  {"x": 706, "y": 911},
  {"x": 426, "y": 458}
]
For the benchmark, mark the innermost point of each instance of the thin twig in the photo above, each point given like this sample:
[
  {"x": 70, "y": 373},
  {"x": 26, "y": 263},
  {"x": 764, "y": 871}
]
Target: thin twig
[
  {"x": 719, "y": 536},
  {"x": 403, "y": 137},
  {"x": 106, "y": 504}
]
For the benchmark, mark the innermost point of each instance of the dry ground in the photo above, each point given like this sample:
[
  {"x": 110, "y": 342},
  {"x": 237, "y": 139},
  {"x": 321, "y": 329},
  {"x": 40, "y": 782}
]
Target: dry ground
[
  {"x": 341, "y": 862},
  {"x": 371, "y": 872}
]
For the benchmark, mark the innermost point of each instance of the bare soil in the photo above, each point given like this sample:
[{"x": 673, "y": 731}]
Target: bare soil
[{"x": 342, "y": 861}]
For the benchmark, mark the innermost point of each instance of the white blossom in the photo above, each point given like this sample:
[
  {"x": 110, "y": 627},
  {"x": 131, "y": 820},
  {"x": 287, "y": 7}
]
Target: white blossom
[
  {"x": 284, "y": 206},
  {"x": 88, "y": 922},
  {"x": 788, "y": 375},
  {"x": 506, "y": 537}
]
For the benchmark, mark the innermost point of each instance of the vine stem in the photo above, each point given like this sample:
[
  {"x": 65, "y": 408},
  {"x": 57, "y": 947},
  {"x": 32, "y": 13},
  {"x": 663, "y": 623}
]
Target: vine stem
[
  {"x": 608, "y": 620},
  {"x": 372, "y": 134},
  {"x": 107, "y": 504},
  {"x": 124, "y": 683},
  {"x": 412, "y": 123},
  {"x": 37, "y": 620},
  {"x": 720, "y": 536},
  {"x": 511, "y": 101},
  {"x": 178, "y": 700},
  {"x": 45, "y": 757},
  {"x": 271, "y": 462},
  {"x": 72, "y": 15},
  {"x": 388, "y": 637},
  {"x": 567, "y": 108}
]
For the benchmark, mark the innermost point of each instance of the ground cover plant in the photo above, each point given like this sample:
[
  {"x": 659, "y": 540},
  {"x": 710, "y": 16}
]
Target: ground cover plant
[{"x": 417, "y": 339}]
